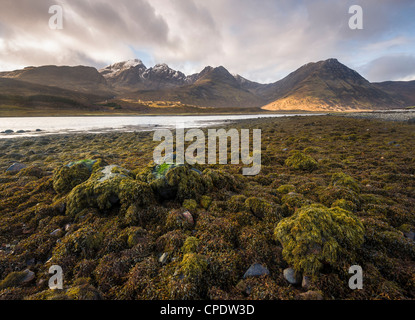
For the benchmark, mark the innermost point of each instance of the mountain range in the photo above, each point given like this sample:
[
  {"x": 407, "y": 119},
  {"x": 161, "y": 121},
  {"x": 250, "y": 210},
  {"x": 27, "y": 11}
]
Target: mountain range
[{"x": 321, "y": 86}]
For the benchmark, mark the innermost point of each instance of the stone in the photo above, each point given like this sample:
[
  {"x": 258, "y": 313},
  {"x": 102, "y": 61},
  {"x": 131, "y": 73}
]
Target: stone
[
  {"x": 164, "y": 257},
  {"x": 8, "y": 131},
  {"x": 256, "y": 270},
  {"x": 30, "y": 275},
  {"x": 311, "y": 295},
  {"x": 306, "y": 282},
  {"x": 410, "y": 235},
  {"x": 292, "y": 276},
  {"x": 55, "y": 232},
  {"x": 188, "y": 216},
  {"x": 16, "y": 167}
]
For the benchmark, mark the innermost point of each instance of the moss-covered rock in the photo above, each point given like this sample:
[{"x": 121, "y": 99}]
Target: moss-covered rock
[
  {"x": 176, "y": 182},
  {"x": 286, "y": 188},
  {"x": 259, "y": 207},
  {"x": 107, "y": 187},
  {"x": 342, "y": 179},
  {"x": 191, "y": 245},
  {"x": 301, "y": 161},
  {"x": 71, "y": 175},
  {"x": 316, "y": 235}
]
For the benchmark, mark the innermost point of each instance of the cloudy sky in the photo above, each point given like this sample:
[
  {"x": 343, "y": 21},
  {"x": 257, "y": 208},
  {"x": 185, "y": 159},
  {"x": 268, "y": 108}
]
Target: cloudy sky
[{"x": 262, "y": 40}]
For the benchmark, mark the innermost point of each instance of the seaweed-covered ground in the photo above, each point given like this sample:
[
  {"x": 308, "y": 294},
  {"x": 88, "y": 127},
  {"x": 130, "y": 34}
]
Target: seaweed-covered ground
[{"x": 333, "y": 192}]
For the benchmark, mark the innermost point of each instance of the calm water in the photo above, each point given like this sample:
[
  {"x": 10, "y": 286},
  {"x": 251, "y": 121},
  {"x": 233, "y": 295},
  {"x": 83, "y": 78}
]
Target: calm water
[{"x": 64, "y": 125}]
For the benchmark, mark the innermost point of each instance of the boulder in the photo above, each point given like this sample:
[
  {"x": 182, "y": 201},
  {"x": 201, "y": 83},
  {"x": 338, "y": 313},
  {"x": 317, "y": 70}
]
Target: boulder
[{"x": 256, "y": 270}]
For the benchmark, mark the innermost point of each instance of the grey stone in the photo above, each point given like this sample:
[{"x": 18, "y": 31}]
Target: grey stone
[
  {"x": 55, "y": 232},
  {"x": 16, "y": 167},
  {"x": 30, "y": 275},
  {"x": 256, "y": 270},
  {"x": 292, "y": 277}
]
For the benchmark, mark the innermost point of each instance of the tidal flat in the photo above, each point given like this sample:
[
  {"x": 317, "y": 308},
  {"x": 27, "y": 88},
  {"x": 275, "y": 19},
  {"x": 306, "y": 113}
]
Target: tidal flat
[{"x": 332, "y": 192}]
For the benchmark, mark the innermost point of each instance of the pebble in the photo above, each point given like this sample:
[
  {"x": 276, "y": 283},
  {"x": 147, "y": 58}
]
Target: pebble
[
  {"x": 30, "y": 275},
  {"x": 188, "y": 216},
  {"x": 164, "y": 257},
  {"x": 292, "y": 277}
]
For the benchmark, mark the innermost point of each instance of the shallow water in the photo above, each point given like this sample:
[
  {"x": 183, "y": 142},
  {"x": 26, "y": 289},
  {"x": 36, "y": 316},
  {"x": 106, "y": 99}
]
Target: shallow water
[{"x": 64, "y": 125}]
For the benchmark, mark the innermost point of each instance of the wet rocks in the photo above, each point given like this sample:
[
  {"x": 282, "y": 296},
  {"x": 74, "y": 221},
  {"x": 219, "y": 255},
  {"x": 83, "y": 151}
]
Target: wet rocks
[{"x": 256, "y": 270}]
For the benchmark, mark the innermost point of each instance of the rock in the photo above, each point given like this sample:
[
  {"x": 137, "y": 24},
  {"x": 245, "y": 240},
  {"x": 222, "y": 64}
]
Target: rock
[
  {"x": 410, "y": 235},
  {"x": 109, "y": 173},
  {"x": 38, "y": 130},
  {"x": 164, "y": 257},
  {"x": 16, "y": 167},
  {"x": 55, "y": 232},
  {"x": 256, "y": 270},
  {"x": 29, "y": 276},
  {"x": 292, "y": 277},
  {"x": 311, "y": 295},
  {"x": 306, "y": 282},
  {"x": 8, "y": 131},
  {"x": 188, "y": 216},
  {"x": 20, "y": 131}
]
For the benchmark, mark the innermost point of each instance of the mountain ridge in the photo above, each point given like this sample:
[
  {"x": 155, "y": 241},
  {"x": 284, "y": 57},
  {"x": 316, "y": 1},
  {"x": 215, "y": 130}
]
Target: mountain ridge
[{"x": 326, "y": 85}]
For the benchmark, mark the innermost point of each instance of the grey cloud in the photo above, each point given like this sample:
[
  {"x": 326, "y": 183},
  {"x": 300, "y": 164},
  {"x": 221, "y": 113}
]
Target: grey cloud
[
  {"x": 396, "y": 67},
  {"x": 261, "y": 40}
]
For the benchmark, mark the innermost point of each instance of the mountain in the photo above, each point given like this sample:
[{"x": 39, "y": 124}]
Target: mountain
[
  {"x": 321, "y": 86},
  {"x": 402, "y": 90},
  {"x": 326, "y": 85},
  {"x": 212, "y": 87},
  {"x": 133, "y": 75},
  {"x": 80, "y": 79}
]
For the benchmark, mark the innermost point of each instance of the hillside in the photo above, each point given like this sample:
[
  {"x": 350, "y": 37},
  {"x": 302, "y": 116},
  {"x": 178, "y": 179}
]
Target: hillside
[{"x": 326, "y": 85}]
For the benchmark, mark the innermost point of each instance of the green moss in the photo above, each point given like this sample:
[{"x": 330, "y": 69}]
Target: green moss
[
  {"x": 179, "y": 183},
  {"x": 345, "y": 204},
  {"x": 331, "y": 194},
  {"x": 12, "y": 280},
  {"x": 71, "y": 175},
  {"x": 205, "y": 202},
  {"x": 301, "y": 161},
  {"x": 84, "y": 242},
  {"x": 193, "y": 266},
  {"x": 286, "y": 188},
  {"x": 237, "y": 203},
  {"x": 103, "y": 190},
  {"x": 259, "y": 207},
  {"x": 82, "y": 290},
  {"x": 342, "y": 179},
  {"x": 316, "y": 235},
  {"x": 190, "y": 205},
  {"x": 191, "y": 245}
]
